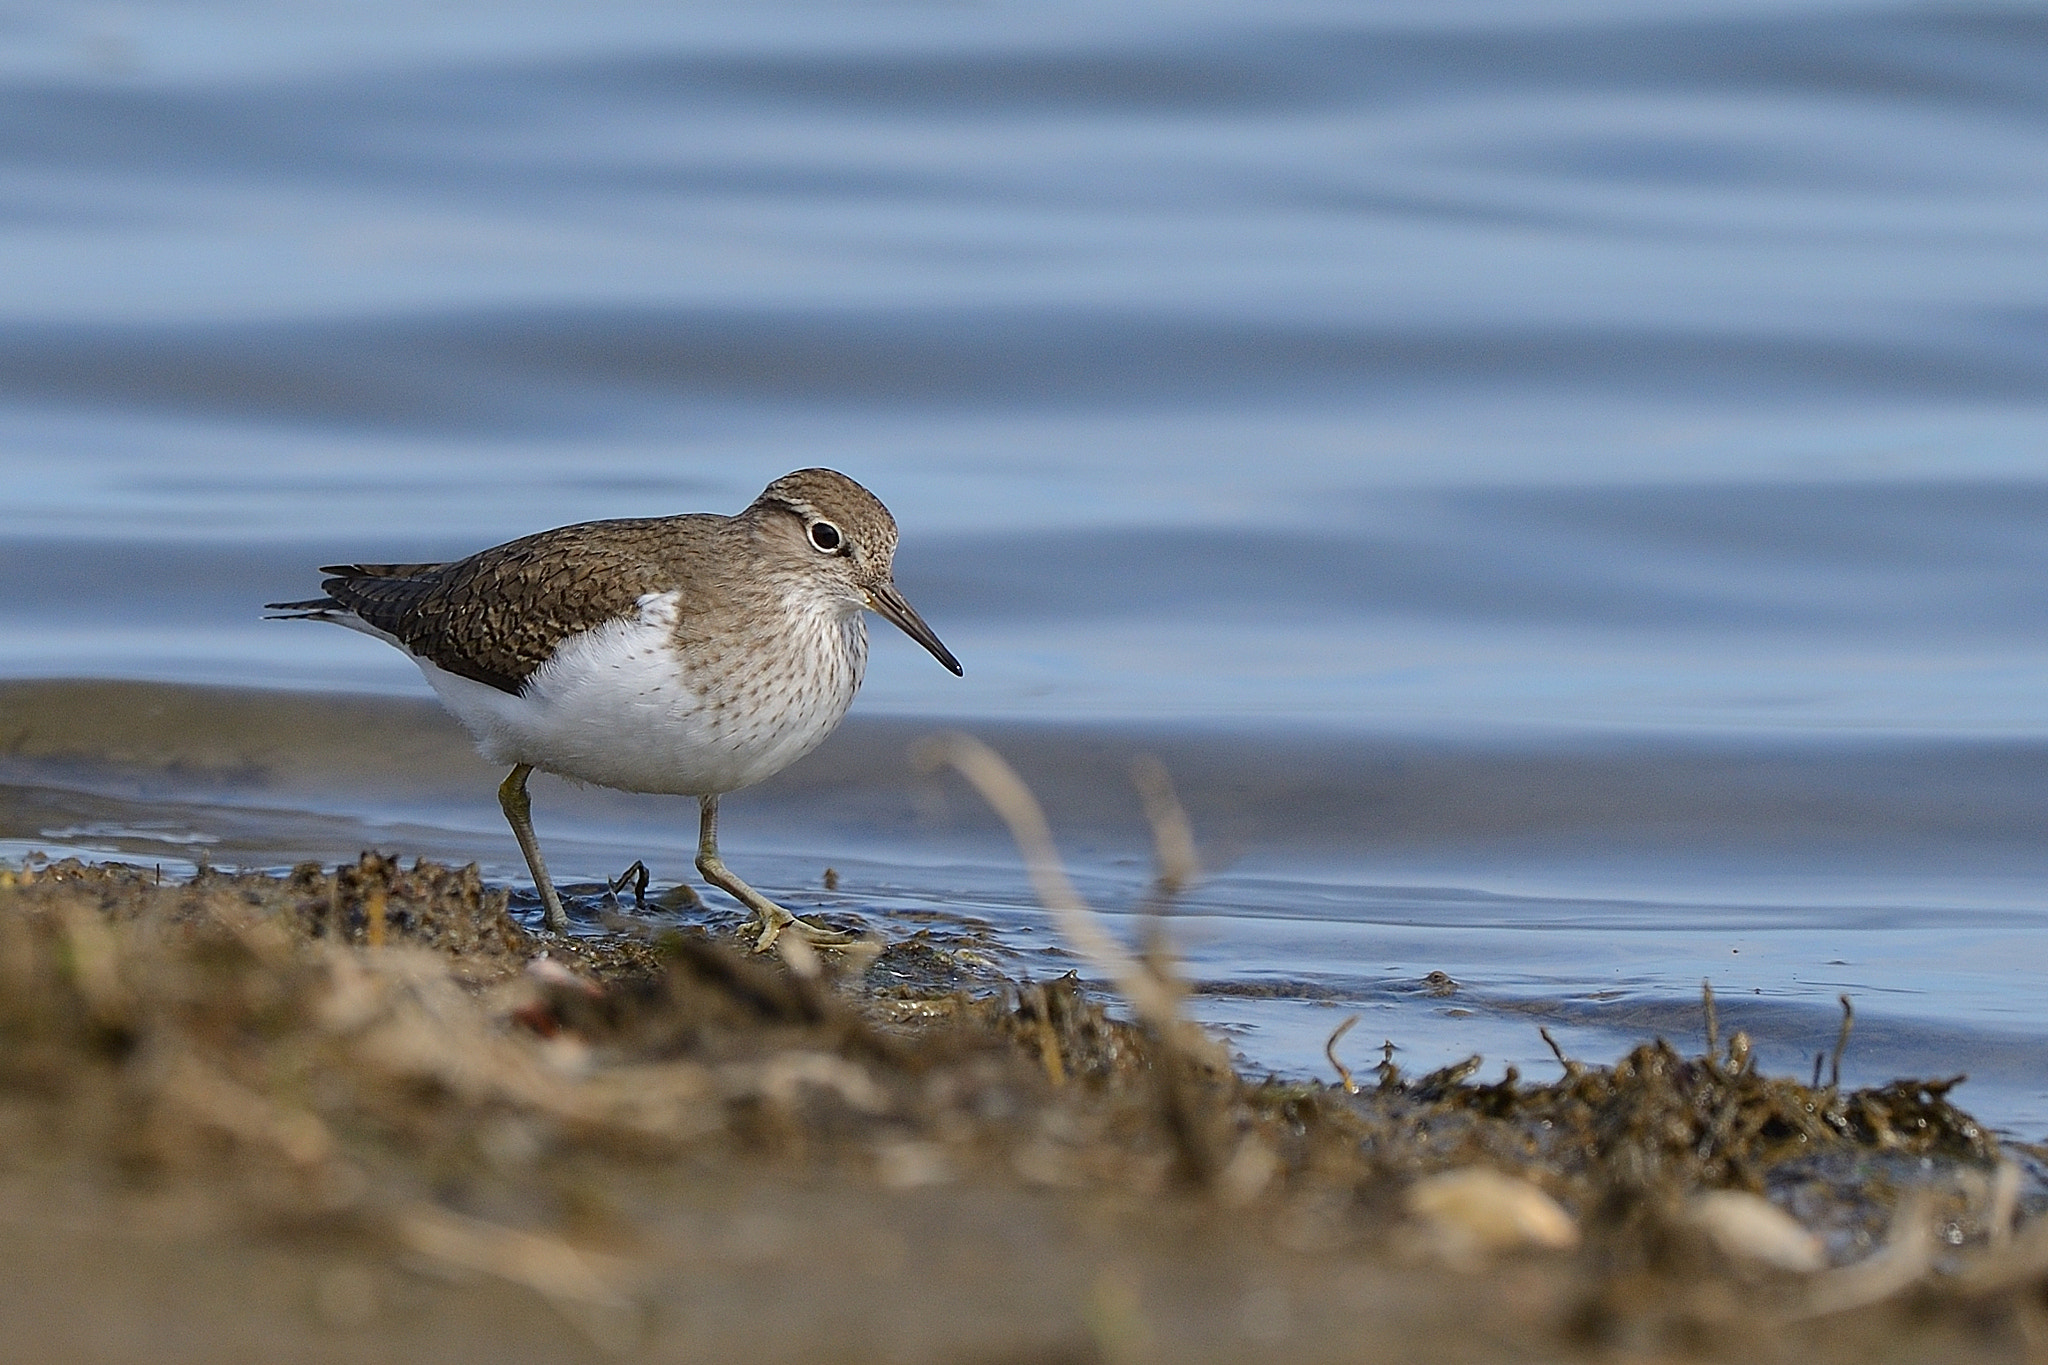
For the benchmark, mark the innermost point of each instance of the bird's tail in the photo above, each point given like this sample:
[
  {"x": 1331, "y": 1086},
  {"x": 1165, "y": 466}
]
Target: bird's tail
[{"x": 312, "y": 609}]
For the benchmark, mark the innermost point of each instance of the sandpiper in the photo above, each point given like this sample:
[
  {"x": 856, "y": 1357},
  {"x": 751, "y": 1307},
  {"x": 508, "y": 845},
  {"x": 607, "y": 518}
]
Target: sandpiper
[{"x": 691, "y": 655}]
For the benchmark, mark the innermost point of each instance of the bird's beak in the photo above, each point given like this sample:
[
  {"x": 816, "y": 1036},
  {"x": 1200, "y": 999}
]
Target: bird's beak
[{"x": 884, "y": 598}]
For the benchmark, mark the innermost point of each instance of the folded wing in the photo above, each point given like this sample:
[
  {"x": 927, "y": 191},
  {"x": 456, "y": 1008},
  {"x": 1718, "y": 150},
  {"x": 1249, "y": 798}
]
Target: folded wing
[{"x": 499, "y": 615}]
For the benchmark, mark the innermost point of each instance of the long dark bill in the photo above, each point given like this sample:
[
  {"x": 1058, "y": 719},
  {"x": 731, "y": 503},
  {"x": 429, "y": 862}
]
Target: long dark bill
[{"x": 885, "y": 599}]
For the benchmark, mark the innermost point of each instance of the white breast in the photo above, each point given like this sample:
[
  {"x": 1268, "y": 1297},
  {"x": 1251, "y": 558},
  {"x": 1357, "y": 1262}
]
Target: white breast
[{"x": 622, "y": 707}]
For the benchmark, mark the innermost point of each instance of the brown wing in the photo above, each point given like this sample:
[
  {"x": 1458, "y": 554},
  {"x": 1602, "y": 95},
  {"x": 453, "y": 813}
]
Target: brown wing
[{"x": 498, "y": 615}]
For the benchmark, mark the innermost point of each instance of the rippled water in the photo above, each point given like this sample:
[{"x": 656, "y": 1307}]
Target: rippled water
[{"x": 1566, "y": 490}]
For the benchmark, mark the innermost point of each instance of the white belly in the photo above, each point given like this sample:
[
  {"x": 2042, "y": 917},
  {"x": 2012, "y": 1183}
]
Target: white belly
[{"x": 617, "y": 706}]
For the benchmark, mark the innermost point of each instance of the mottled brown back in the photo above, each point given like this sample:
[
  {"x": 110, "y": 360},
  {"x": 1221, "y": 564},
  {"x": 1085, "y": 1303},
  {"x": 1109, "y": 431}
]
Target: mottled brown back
[{"x": 496, "y": 616}]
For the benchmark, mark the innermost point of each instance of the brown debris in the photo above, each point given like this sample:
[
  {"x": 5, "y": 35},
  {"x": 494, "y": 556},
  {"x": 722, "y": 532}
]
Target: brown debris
[{"x": 455, "y": 1097}]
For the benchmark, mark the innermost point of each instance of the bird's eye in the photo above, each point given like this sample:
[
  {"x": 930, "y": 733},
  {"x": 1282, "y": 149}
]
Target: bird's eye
[{"x": 826, "y": 536}]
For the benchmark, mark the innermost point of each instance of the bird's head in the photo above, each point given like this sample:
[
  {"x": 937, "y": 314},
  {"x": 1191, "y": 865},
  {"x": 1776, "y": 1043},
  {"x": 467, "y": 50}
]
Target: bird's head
[{"x": 843, "y": 532}]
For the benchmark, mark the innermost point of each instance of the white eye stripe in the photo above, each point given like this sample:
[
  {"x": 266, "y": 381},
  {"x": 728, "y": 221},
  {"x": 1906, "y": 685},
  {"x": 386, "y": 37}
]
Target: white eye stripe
[{"x": 826, "y": 537}]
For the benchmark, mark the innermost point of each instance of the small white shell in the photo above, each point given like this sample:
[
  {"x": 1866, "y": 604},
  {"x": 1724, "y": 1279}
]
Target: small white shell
[
  {"x": 1750, "y": 1228},
  {"x": 1477, "y": 1211}
]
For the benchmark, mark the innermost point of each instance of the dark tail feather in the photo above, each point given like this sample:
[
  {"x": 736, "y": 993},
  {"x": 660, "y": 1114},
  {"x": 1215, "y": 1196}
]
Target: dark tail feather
[
  {"x": 380, "y": 570},
  {"x": 376, "y": 595},
  {"x": 314, "y": 609}
]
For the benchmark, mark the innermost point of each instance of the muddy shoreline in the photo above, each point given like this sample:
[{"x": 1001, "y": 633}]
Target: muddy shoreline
[
  {"x": 356, "y": 1112},
  {"x": 1586, "y": 885}
]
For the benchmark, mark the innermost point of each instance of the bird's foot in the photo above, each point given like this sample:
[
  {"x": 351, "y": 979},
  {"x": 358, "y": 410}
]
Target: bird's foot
[{"x": 776, "y": 921}]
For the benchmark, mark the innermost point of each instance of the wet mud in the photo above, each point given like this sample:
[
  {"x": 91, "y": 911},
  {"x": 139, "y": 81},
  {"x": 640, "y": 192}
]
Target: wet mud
[{"x": 357, "y": 1112}]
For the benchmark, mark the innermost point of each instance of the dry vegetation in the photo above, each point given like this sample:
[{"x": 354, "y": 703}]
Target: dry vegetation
[{"x": 359, "y": 1114}]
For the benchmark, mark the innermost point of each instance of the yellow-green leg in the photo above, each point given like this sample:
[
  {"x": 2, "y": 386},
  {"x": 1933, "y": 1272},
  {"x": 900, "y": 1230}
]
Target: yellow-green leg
[
  {"x": 774, "y": 919},
  {"x": 519, "y": 814}
]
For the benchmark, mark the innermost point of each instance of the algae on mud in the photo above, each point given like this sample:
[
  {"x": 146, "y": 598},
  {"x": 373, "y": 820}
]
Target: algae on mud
[{"x": 501, "y": 1146}]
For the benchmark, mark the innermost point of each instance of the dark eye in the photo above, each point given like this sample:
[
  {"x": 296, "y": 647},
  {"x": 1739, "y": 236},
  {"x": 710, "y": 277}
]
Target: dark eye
[{"x": 826, "y": 536}]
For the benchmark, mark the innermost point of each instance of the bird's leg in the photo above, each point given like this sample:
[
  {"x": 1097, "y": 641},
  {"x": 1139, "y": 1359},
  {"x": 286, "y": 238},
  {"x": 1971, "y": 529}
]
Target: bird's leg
[
  {"x": 774, "y": 919},
  {"x": 519, "y": 814}
]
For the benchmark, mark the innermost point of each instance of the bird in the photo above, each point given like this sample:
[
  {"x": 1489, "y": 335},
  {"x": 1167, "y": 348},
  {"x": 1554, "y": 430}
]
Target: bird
[{"x": 689, "y": 655}]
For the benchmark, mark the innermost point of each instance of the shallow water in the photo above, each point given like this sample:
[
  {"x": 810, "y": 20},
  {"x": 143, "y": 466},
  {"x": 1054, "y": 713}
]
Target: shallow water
[
  {"x": 1587, "y": 886},
  {"x": 1565, "y": 494}
]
